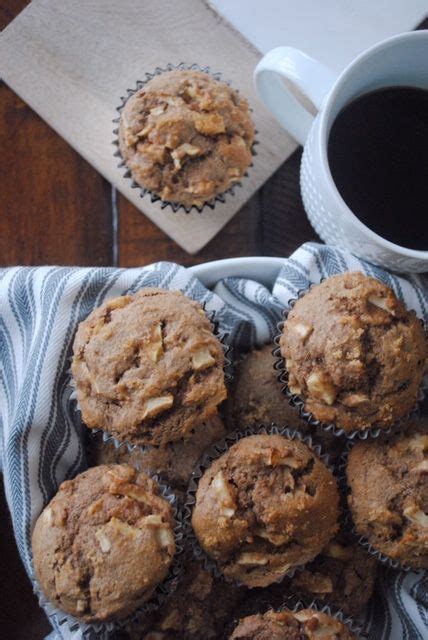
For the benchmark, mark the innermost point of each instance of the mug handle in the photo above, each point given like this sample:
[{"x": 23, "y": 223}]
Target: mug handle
[{"x": 311, "y": 77}]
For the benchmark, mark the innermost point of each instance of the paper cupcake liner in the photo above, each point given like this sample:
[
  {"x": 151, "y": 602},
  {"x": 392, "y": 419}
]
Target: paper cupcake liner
[
  {"x": 299, "y": 403},
  {"x": 349, "y": 525},
  {"x": 93, "y": 631},
  {"x": 294, "y": 604},
  {"x": 215, "y": 452},
  {"x": 175, "y": 206},
  {"x": 108, "y": 437}
]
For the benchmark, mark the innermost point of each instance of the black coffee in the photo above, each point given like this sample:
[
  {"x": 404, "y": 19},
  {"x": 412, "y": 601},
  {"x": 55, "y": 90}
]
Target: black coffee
[{"x": 378, "y": 156}]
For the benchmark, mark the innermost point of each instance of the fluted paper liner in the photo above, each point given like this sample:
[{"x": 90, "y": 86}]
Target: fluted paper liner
[
  {"x": 299, "y": 403},
  {"x": 349, "y": 523},
  {"x": 175, "y": 206},
  {"x": 215, "y": 452},
  {"x": 158, "y": 597},
  {"x": 109, "y": 438}
]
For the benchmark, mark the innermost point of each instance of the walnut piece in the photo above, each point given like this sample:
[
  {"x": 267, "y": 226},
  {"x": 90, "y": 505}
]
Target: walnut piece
[
  {"x": 321, "y": 387},
  {"x": 154, "y": 406}
]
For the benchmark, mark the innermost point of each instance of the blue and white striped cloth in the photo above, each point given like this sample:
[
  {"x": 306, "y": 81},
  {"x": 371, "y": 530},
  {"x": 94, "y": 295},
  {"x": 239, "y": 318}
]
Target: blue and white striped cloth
[{"x": 41, "y": 446}]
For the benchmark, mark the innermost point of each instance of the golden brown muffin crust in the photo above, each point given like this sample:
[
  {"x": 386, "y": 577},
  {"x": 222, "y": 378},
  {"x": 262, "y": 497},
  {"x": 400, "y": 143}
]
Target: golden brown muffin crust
[
  {"x": 307, "y": 624},
  {"x": 186, "y": 136},
  {"x": 354, "y": 353},
  {"x": 266, "y": 505},
  {"x": 103, "y": 543},
  {"x": 389, "y": 494},
  {"x": 147, "y": 367}
]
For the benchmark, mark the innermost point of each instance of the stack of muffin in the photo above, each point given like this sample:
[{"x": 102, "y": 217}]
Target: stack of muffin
[{"x": 264, "y": 512}]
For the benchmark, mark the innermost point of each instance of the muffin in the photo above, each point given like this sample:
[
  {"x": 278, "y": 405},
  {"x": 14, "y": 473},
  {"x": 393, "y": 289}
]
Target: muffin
[
  {"x": 256, "y": 398},
  {"x": 104, "y": 543},
  {"x": 197, "y": 610},
  {"x": 148, "y": 368},
  {"x": 306, "y": 624},
  {"x": 342, "y": 575},
  {"x": 389, "y": 495},
  {"x": 186, "y": 137},
  {"x": 354, "y": 354},
  {"x": 174, "y": 462},
  {"x": 264, "y": 507}
]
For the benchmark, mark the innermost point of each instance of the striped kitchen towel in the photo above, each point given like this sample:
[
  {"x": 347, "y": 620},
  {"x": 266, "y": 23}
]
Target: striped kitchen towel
[{"x": 42, "y": 445}]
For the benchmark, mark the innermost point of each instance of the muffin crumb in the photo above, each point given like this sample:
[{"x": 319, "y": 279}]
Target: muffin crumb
[{"x": 186, "y": 137}]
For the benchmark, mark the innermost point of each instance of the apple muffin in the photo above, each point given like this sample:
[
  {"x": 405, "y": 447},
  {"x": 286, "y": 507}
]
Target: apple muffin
[
  {"x": 104, "y": 543},
  {"x": 265, "y": 506},
  {"x": 148, "y": 368},
  {"x": 307, "y": 624},
  {"x": 353, "y": 352},
  {"x": 174, "y": 461},
  {"x": 388, "y": 480},
  {"x": 186, "y": 137}
]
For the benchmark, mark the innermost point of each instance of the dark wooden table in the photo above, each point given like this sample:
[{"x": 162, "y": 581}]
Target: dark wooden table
[{"x": 56, "y": 209}]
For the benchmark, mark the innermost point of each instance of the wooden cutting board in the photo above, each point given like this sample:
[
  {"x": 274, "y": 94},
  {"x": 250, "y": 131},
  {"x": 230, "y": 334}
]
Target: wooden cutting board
[{"x": 71, "y": 61}]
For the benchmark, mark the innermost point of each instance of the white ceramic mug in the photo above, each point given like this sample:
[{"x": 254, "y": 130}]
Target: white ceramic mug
[{"x": 400, "y": 60}]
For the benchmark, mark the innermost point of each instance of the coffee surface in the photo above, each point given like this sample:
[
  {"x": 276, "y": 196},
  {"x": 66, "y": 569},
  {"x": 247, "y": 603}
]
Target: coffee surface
[{"x": 378, "y": 157}]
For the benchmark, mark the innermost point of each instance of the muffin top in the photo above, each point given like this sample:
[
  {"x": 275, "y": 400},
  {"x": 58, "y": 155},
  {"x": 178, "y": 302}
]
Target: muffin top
[
  {"x": 354, "y": 353},
  {"x": 265, "y": 506},
  {"x": 103, "y": 543},
  {"x": 389, "y": 494},
  {"x": 306, "y": 624},
  {"x": 174, "y": 462},
  {"x": 186, "y": 136},
  {"x": 343, "y": 574},
  {"x": 148, "y": 368}
]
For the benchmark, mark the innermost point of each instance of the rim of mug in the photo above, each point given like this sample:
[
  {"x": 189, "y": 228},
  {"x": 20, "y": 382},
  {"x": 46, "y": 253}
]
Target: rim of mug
[{"x": 322, "y": 140}]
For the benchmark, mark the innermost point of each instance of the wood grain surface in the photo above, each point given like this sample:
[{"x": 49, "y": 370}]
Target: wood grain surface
[
  {"x": 55, "y": 208},
  {"x": 73, "y": 67}
]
